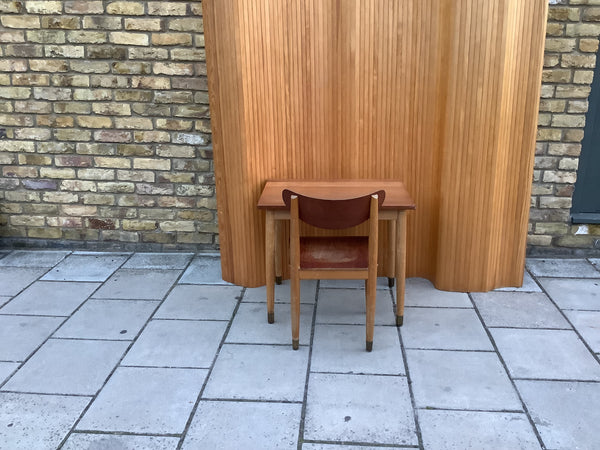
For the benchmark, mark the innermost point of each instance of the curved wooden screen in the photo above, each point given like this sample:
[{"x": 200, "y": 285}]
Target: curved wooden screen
[{"x": 441, "y": 94}]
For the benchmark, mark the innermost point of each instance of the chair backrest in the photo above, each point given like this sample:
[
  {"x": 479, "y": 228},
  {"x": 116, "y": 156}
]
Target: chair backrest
[{"x": 333, "y": 214}]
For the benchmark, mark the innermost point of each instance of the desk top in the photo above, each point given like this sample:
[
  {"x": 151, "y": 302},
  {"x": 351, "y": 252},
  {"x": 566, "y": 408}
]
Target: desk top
[{"x": 396, "y": 196}]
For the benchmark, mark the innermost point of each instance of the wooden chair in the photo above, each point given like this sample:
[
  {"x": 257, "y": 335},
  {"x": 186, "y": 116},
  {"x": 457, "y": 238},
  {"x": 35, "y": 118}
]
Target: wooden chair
[{"x": 333, "y": 257}]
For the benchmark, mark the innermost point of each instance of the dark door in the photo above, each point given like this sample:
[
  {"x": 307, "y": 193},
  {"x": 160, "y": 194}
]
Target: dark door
[{"x": 586, "y": 198}]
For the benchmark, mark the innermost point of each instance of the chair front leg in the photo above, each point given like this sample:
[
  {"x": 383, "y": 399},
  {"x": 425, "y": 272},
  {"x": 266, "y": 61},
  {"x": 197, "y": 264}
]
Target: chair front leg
[
  {"x": 295, "y": 308},
  {"x": 371, "y": 305}
]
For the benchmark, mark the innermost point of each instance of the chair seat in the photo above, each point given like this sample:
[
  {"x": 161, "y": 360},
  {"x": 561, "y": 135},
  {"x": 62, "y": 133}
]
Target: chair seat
[{"x": 346, "y": 252}]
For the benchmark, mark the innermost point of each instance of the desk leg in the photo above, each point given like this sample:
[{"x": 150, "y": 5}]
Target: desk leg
[
  {"x": 278, "y": 262},
  {"x": 400, "y": 266},
  {"x": 391, "y": 252},
  {"x": 270, "y": 239}
]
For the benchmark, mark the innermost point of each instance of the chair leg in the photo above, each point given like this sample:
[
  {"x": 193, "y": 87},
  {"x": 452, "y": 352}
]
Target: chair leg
[
  {"x": 371, "y": 304},
  {"x": 295, "y": 308}
]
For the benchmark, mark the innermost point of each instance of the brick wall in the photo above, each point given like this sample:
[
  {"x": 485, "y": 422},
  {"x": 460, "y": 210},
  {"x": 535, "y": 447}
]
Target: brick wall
[
  {"x": 570, "y": 58},
  {"x": 105, "y": 108}
]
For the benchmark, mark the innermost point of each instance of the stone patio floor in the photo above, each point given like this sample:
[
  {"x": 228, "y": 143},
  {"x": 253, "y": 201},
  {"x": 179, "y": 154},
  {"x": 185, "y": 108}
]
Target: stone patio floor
[{"x": 154, "y": 351}]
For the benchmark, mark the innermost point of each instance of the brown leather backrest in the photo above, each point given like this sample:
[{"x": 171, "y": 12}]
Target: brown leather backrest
[{"x": 333, "y": 214}]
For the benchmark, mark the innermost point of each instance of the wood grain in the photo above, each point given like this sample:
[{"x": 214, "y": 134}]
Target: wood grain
[{"x": 441, "y": 94}]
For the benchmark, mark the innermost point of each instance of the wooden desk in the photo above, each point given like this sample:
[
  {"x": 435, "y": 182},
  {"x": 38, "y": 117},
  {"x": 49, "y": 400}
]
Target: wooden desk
[{"x": 397, "y": 201}]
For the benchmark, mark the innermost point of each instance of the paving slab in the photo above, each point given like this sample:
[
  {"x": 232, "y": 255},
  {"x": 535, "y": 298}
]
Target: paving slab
[
  {"x": 145, "y": 401},
  {"x": 176, "y": 343},
  {"x": 341, "y": 349},
  {"x": 108, "y": 319},
  {"x": 347, "y": 306},
  {"x": 6, "y": 369},
  {"x": 87, "y": 267},
  {"x": 587, "y": 323},
  {"x": 308, "y": 291},
  {"x": 311, "y": 446},
  {"x": 382, "y": 283},
  {"x": 200, "y": 302},
  {"x": 79, "y": 441},
  {"x": 359, "y": 409},
  {"x": 545, "y": 354},
  {"x": 529, "y": 285},
  {"x": 158, "y": 261},
  {"x": 250, "y": 325},
  {"x": 203, "y": 270},
  {"x": 38, "y": 258},
  {"x": 138, "y": 284},
  {"x": 14, "y": 279},
  {"x": 422, "y": 292},
  {"x": 4, "y": 300},
  {"x": 21, "y": 335},
  {"x": 258, "y": 372},
  {"x": 518, "y": 309},
  {"x": 244, "y": 425},
  {"x": 50, "y": 298},
  {"x": 64, "y": 366},
  {"x": 447, "y": 328},
  {"x": 3, "y": 253},
  {"x": 566, "y": 414},
  {"x": 32, "y": 421},
  {"x": 478, "y": 430},
  {"x": 595, "y": 262},
  {"x": 573, "y": 293},
  {"x": 562, "y": 268},
  {"x": 461, "y": 380}
]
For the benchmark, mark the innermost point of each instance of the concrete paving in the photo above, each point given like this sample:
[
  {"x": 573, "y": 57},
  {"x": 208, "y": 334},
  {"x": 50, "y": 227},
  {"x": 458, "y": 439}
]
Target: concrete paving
[{"x": 113, "y": 351}]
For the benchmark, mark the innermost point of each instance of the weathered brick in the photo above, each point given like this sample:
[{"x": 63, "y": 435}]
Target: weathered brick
[
  {"x": 112, "y": 109},
  {"x": 165, "y": 8},
  {"x": 568, "y": 120},
  {"x": 188, "y": 54},
  {"x": 188, "y": 190},
  {"x": 133, "y": 123},
  {"x": 176, "y": 202},
  {"x": 147, "y": 53},
  {"x": 122, "y": 95},
  {"x": 578, "y": 106},
  {"x": 96, "y": 149},
  {"x": 90, "y": 66},
  {"x": 70, "y": 80},
  {"x": 174, "y": 124},
  {"x": 572, "y": 91},
  {"x": 34, "y": 160},
  {"x": 150, "y": 82},
  {"x": 112, "y": 162},
  {"x": 87, "y": 37},
  {"x": 555, "y": 202},
  {"x": 120, "y": 236},
  {"x": 31, "y": 79},
  {"x": 24, "y": 50},
  {"x": 13, "y": 65},
  {"x": 154, "y": 189},
  {"x": 73, "y": 161},
  {"x": 555, "y": 29},
  {"x": 144, "y": 109},
  {"x": 98, "y": 199},
  {"x": 52, "y": 93},
  {"x": 64, "y": 51},
  {"x": 194, "y": 111},
  {"x": 557, "y": 75},
  {"x": 66, "y": 108},
  {"x": 101, "y": 23},
  {"x": 92, "y": 94},
  {"x": 126, "y": 8},
  {"x": 94, "y": 122},
  {"x": 134, "y": 225},
  {"x": 583, "y": 30},
  {"x": 15, "y": 92},
  {"x": 578, "y": 61},
  {"x": 28, "y": 221},
  {"x": 20, "y": 21},
  {"x": 203, "y": 215},
  {"x": 191, "y": 138},
  {"x": 60, "y": 197},
  {"x": 135, "y": 24},
  {"x": 151, "y": 136},
  {"x": 16, "y": 120},
  {"x": 112, "y": 136},
  {"x": 66, "y": 222},
  {"x": 127, "y": 38},
  {"x": 564, "y": 14},
  {"x": 12, "y": 36},
  {"x": 173, "y": 97},
  {"x": 583, "y": 76},
  {"x": 177, "y": 225},
  {"x": 106, "y": 52},
  {"x": 176, "y": 178},
  {"x": 167, "y": 68},
  {"x": 119, "y": 188},
  {"x": 48, "y": 65},
  {"x": 101, "y": 224},
  {"x": 35, "y": 134},
  {"x": 84, "y": 7},
  {"x": 131, "y": 67},
  {"x": 172, "y": 39},
  {"x": 61, "y": 22},
  {"x": 553, "y": 228},
  {"x": 152, "y": 164},
  {"x": 588, "y": 45},
  {"x": 560, "y": 45},
  {"x": 8, "y": 183},
  {"x": 76, "y": 134},
  {"x": 44, "y": 185},
  {"x": 20, "y": 171},
  {"x": 134, "y": 150},
  {"x": 16, "y": 146},
  {"x": 156, "y": 213},
  {"x": 78, "y": 186},
  {"x": 11, "y": 6},
  {"x": 44, "y": 233},
  {"x": 55, "y": 147},
  {"x": 63, "y": 173},
  {"x": 22, "y": 196},
  {"x": 573, "y": 135},
  {"x": 135, "y": 175},
  {"x": 79, "y": 210},
  {"x": 559, "y": 176}
]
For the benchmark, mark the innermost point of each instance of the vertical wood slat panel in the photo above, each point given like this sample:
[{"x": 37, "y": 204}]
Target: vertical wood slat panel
[{"x": 441, "y": 94}]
